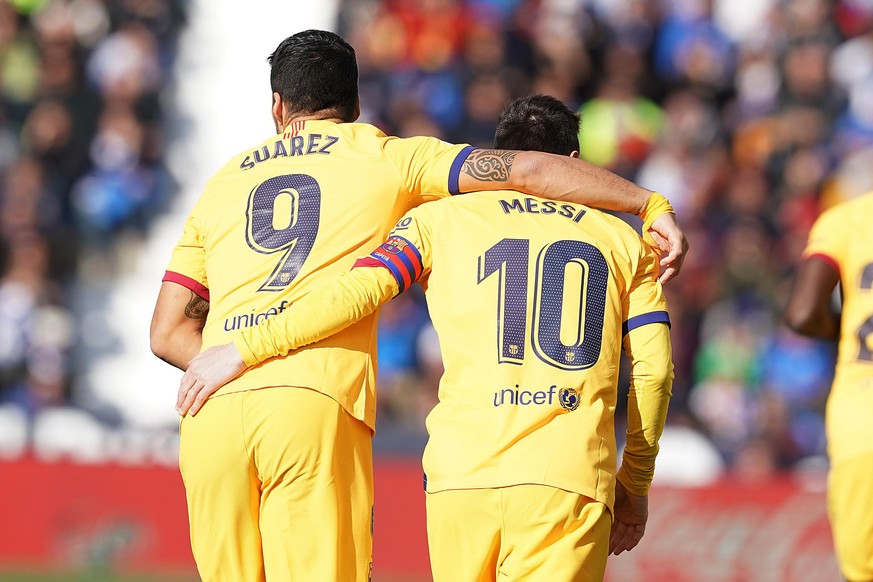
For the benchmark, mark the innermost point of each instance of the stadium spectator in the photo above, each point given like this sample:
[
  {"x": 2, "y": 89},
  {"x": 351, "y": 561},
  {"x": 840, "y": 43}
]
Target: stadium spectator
[
  {"x": 80, "y": 117},
  {"x": 770, "y": 137}
]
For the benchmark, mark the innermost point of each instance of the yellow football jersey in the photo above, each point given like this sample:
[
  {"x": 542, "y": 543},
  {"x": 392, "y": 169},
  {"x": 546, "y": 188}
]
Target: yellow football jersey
[
  {"x": 843, "y": 236},
  {"x": 296, "y": 209},
  {"x": 531, "y": 300}
]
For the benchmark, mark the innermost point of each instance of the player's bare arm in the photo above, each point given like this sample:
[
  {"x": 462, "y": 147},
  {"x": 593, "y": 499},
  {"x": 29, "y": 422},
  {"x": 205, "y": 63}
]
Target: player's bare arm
[
  {"x": 489, "y": 165},
  {"x": 197, "y": 308},
  {"x": 809, "y": 305},
  {"x": 574, "y": 180},
  {"x": 177, "y": 324}
]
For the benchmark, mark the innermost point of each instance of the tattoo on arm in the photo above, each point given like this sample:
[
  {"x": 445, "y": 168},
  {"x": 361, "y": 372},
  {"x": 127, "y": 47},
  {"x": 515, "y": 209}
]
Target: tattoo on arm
[
  {"x": 489, "y": 165},
  {"x": 197, "y": 307}
]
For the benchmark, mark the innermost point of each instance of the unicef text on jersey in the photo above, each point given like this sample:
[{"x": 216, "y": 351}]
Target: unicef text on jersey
[{"x": 568, "y": 398}]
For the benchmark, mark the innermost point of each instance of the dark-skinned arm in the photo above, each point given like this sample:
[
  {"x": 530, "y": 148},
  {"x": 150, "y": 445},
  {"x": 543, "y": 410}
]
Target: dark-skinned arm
[{"x": 809, "y": 309}]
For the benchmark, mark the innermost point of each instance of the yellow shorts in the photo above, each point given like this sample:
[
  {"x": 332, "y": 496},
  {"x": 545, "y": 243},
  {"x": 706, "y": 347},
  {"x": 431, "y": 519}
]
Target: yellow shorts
[
  {"x": 279, "y": 483},
  {"x": 850, "y": 507},
  {"x": 524, "y": 532}
]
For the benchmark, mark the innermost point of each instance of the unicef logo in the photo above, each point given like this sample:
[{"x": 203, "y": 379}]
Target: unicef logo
[{"x": 569, "y": 398}]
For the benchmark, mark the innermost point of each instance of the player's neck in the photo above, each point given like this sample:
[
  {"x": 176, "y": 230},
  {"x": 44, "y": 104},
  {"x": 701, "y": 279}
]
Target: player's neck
[{"x": 324, "y": 115}]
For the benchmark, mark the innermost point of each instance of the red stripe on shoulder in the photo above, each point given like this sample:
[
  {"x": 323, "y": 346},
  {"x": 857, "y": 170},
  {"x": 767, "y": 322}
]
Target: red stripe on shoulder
[{"x": 197, "y": 288}]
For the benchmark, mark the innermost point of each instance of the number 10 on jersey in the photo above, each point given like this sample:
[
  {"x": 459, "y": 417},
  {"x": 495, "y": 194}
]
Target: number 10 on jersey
[{"x": 510, "y": 260}]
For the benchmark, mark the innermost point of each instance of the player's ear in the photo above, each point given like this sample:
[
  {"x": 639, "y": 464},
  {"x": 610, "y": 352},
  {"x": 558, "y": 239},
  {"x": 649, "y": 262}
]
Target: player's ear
[
  {"x": 278, "y": 111},
  {"x": 574, "y": 154}
]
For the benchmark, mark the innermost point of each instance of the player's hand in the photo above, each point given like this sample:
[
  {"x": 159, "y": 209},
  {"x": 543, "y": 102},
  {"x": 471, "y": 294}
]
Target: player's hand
[
  {"x": 671, "y": 240},
  {"x": 206, "y": 373},
  {"x": 629, "y": 520}
]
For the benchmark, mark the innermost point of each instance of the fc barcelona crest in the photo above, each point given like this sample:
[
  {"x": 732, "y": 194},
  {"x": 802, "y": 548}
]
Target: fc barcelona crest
[{"x": 394, "y": 245}]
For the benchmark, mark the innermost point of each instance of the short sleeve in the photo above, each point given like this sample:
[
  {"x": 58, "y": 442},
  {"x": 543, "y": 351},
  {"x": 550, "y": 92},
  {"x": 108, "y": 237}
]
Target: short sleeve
[
  {"x": 646, "y": 302},
  {"x": 430, "y": 167},
  {"x": 188, "y": 262}
]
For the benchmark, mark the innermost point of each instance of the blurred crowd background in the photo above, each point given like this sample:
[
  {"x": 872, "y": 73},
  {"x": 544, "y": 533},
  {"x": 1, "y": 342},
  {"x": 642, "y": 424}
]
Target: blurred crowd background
[
  {"x": 752, "y": 116},
  {"x": 83, "y": 87}
]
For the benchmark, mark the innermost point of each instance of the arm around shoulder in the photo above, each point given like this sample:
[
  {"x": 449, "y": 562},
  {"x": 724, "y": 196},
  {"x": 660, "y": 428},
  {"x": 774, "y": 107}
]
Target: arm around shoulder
[
  {"x": 551, "y": 176},
  {"x": 569, "y": 179}
]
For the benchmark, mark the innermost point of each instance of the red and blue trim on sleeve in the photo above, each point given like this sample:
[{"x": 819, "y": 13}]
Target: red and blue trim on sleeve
[
  {"x": 645, "y": 319},
  {"x": 399, "y": 256},
  {"x": 455, "y": 171},
  {"x": 197, "y": 288}
]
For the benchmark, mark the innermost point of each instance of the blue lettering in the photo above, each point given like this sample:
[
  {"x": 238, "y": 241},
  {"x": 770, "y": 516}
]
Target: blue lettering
[
  {"x": 503, "y": 396},
  {"x": 579, "y": 216},
  {"x": 297, "y": 145},
  {"x": 247, "y": 163},
  {"x": 508, "y": 206},
  {"x": 549, "y": 207},
  {"x": 519, "y": 397},
  {"x": 313, "y": 142},
  {"x": 567, "y": 210},
  {"x": 280, "y": 149},
  {"x": 403, "y": 224},
  {"x": 330, "y": 141},
  {"x": 250, "y": 319},
  {"x": 265, "y": 151},
  {"x": 531, "y": 205}
]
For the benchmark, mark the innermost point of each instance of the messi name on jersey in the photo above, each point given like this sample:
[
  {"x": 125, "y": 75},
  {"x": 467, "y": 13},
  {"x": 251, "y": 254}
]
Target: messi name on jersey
[
  {"x": 293, "y": 145},
  {"x": 529, "y": 205}
]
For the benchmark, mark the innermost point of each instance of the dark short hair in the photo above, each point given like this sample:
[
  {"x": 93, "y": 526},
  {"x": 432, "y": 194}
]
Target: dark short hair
[
  {"x": 540, "y": 123},
  {"x": 316, "y": 70}
]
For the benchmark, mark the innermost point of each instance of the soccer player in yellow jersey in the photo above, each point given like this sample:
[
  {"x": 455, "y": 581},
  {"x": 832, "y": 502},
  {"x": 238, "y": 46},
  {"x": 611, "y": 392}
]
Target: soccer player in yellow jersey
[
  {"x": 532, "y": 301},
  {"x": 277, "y": 468},
  {"x": 840, "y": 251}
]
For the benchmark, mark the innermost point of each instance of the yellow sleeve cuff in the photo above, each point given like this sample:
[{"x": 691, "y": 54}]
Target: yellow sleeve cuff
[
  {"x": 633, "y": 487},
  {"x": 245, "y": 351},
  {"x": 656, "y": 206}
]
